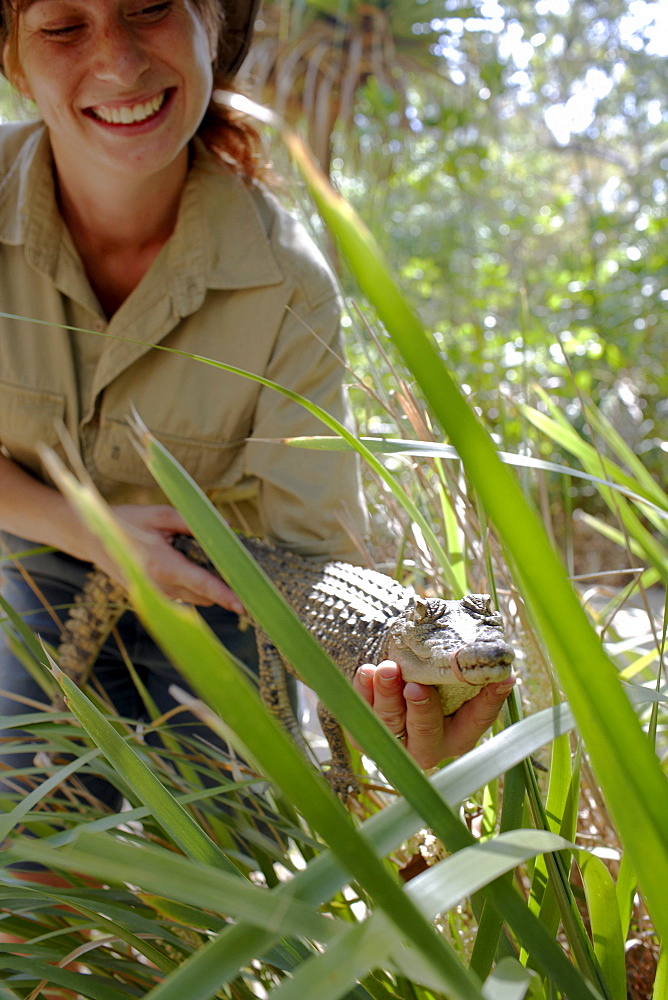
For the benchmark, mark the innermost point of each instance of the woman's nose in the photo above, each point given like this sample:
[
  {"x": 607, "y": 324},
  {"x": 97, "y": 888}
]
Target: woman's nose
[{"x": 119, "y": 54}]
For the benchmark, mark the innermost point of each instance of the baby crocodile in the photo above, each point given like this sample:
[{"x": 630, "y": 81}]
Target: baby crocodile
[{"x": 358, "y": 616}]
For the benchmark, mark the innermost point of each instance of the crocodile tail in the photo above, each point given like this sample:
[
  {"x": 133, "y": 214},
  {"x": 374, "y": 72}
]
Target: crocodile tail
[{"x": 97, "y": 609}]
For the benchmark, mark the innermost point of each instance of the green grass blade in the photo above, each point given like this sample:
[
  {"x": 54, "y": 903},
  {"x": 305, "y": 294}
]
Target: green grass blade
[
  {"x": 606, "y": 925},
  {"x": 619, "y": 538},
  {"x": 626, "y": 768},
  {"x": 511, "y": 981},
  {"x": 453, "y": 534},
  {"x": 450, "y": 881},
  {"x": 436, "y": 891},
  {"x": 488, "y": 939},
  {"x": 618, "y": 445},
  {"x": 625, "y": 889},
  {"x": 660, "y": 991},
  {"x": 145, "y": 785},
  {"x": 163, "y": 872},
  {"x": 18, "y": 813},
  {"x": 35, "y": 970},
  {"x": 436, "y": 449},
  {"x": 592, "y": 457},
  {"x": 35, "y": 656},
  {"x": 555, "y": 422},
  {"x": 542, "y": 899},
  {"x": 595, "y": 463}
]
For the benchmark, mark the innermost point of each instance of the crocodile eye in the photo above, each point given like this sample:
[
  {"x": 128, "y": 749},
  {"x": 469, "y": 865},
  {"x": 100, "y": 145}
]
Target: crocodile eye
[
  {"x": 479, "y": 604},
  {"x": 419, "y": 610}
]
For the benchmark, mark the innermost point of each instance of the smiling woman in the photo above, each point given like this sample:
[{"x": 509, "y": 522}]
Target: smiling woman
[
  {"x": 122, "y": 89},
  {"x": 134, "y": 207}
]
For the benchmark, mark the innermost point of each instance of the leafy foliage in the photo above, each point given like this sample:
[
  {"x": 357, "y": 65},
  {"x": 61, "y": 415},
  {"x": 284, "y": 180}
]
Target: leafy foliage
[{"x": 519, "y": 189}]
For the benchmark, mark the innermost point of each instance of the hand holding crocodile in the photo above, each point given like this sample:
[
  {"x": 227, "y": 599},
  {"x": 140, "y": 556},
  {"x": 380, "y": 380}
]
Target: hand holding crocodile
[{"x": 414, "y": 712}]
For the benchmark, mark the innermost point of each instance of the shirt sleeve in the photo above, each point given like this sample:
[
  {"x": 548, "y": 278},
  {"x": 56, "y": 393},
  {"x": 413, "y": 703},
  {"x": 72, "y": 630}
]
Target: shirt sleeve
[{"x": 305, "y": 495}]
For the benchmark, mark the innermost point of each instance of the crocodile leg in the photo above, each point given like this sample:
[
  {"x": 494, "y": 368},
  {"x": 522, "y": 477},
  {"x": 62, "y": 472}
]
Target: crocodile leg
[
  {"x": 340, "y": 774},
  {"x": 274, "y": 693},
  {"x": 274, "y": 689}
]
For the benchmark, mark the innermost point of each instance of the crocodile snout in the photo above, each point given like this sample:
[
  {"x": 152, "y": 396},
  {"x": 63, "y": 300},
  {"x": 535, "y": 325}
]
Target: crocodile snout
[{"x": 486, "y": 653}]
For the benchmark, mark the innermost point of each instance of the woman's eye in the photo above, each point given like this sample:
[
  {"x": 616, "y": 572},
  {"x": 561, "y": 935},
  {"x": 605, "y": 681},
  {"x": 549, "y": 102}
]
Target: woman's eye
[
  {"x": 144, "y": 12},
  {"x": 153, "y": 11},
  {"x": 66, "y": 31}
]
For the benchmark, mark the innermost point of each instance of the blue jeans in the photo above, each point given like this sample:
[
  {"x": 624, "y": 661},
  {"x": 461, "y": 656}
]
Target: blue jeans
[{"x": 59, "y": 577}]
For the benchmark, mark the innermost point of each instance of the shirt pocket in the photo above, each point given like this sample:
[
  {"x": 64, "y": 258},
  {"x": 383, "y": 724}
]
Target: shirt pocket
[
  {"x": 211, "y": 465},
  {"x": 29, "y": 417}
]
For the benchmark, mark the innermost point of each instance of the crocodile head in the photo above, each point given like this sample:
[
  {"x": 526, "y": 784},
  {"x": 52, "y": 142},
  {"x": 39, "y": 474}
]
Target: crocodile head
[{"x": 457, "y": 646}]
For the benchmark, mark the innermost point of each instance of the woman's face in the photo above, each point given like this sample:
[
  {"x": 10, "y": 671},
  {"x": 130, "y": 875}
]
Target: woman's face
[{"x": 120, "y": 84}]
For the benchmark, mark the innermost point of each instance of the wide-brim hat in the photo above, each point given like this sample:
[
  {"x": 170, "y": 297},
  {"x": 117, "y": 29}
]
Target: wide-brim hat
[{"x": 237, "y": 33}]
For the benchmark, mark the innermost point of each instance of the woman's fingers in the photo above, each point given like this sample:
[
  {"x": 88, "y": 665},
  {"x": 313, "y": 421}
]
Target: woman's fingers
[
  {"x": 413, "y": 713},
  {"x": 183, "y": 580},
  {"x": 201, "y": 588},
  {"x": 467, "y": 725},
  {"x": 151, "y": 528},
  {"x": 382, "y": 687},
  {"x": 427, "y": 728}
]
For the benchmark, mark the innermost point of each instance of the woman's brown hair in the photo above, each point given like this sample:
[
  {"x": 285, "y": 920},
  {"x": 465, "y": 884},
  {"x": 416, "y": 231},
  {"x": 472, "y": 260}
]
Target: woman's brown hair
[{"x": 226, "y": 133}]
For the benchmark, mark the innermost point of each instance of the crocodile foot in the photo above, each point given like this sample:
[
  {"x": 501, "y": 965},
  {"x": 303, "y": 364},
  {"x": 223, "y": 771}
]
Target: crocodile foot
[{"x": 342, "y": 781}]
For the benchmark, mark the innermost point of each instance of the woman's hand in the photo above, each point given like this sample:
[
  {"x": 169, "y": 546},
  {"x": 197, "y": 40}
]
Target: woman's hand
[
  {"x": 151, "y": 528},
  {"x": 31, "y": 509},
  {"x": 414, "y": 711}
]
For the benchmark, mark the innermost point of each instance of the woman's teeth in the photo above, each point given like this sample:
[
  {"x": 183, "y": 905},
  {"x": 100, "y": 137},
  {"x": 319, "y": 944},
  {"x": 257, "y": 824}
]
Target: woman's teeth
[{"x": 128, "y": 115}]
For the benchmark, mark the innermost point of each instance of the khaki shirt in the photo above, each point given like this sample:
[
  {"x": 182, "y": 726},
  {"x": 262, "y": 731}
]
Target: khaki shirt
[{"x": 239, "y": 281}]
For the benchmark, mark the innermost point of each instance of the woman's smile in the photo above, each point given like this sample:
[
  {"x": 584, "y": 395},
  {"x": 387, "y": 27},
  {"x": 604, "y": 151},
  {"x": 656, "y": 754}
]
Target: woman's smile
[{"x": 130, "y": 113}]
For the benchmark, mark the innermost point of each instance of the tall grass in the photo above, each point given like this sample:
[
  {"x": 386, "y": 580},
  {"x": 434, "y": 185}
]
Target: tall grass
[{"x": 239, "y": 880}]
